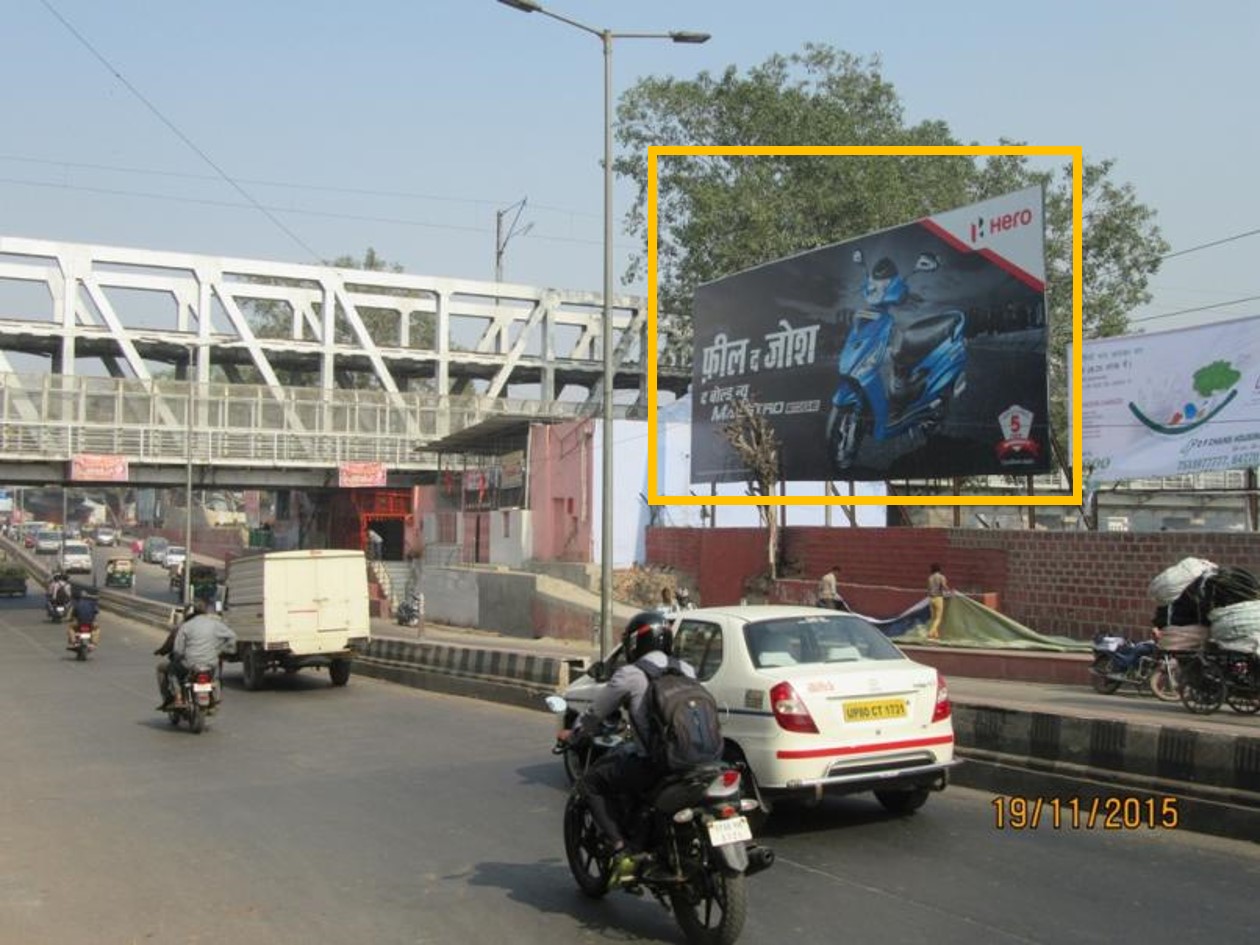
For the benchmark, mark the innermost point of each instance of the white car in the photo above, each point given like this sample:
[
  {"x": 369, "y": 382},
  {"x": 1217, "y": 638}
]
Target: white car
[
  {"x": 813, "y": 701},
  {"x": 105, "y": 536},
  {"x": 174, "y": 557},
  {"x": 76, "y": 558}
]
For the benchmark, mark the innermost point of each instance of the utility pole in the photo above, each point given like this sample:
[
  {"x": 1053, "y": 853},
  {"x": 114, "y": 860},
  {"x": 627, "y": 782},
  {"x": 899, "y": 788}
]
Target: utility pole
[{"x": 501, "y": 239}]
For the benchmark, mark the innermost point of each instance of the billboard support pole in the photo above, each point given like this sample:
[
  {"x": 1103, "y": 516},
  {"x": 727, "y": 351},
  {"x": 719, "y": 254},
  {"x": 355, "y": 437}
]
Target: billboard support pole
[
  {"x": 957, "y": 508},
  {"x": 829, "y": 489},
  {"x": 1032, "y": 509},
  {"x": 1253, "y": 501}
]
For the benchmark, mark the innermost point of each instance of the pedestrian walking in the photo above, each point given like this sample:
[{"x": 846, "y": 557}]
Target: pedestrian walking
[
  {"x": 938, "y": 590},
  {"x": 376, "y": 545},
  {"x": 828, "y": 593}
]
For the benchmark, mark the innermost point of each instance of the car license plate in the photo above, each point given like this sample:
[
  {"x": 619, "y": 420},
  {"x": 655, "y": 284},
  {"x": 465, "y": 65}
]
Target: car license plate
[
  {"x": 874, "y": 710},
  {"x": 202, "y": 687},
  {"x": 730, "y": 830}
]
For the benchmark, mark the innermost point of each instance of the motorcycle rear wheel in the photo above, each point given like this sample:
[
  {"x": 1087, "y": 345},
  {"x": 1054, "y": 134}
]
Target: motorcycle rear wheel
[
  {"x": 714, "y": 914},
  {"x": 196, "y": 718},
  {"x": 1098, "y": 678},
  {"x": 80, "y": 653},
  {"x": 584, "y": 849}
]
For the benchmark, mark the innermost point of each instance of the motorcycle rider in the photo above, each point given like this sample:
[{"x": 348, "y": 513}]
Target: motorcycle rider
[
  {"x": 628, "y": 771},
  {"x": 58, "y": 592},
  {"x": 84, "y": 611},
  {"x": 164, "y": 666},
  {"x": 200, "y": 639}
]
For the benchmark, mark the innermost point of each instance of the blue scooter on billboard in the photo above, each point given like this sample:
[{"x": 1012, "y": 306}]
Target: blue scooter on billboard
[{"x": 893, "y": 380}]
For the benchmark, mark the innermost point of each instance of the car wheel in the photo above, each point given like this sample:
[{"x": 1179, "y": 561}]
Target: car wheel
[
  {"x": 903, "y": 802},
  {"x": 339, "y": 672},
  {"x": 252, "y": 669}
]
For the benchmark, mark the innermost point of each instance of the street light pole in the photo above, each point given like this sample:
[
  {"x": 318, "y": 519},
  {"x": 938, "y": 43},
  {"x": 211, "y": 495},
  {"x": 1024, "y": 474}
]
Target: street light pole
[
  {"x": 606, "y": 38},
  {"x": 188, "y": 478}
]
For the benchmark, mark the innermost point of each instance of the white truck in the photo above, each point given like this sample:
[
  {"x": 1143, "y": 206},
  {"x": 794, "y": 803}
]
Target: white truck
[{"x": 292, "y": 609}]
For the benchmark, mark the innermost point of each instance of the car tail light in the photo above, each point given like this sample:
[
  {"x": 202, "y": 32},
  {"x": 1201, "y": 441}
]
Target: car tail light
[
  {"x": 790, "y": 711},
  {"x": 943, "y": 708}
]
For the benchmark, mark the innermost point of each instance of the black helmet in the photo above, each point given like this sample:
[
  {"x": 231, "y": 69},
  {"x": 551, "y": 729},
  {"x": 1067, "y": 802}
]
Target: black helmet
[
  {"x": 884, "y": 269},
  {"x": 646, "y": 632}
]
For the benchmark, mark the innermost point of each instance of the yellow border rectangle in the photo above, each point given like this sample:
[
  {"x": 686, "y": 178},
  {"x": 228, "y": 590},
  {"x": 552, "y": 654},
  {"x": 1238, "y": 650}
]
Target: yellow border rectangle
[{"x": 1076, "y": 153}]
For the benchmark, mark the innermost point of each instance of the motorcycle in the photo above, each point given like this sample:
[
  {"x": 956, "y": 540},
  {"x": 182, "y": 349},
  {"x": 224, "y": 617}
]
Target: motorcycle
[
  {"x": 1214, "y": 676},
  {"x": 1119, "y": 661},
  {"x": 893, "y": 380},
  {"x": 57, "y": 610},
  {"x": 698, "y": 845},
  {"x": 200, "y": 695},
  {"x": 410, "y": 611},
  {"x": 82, "y": 644}
]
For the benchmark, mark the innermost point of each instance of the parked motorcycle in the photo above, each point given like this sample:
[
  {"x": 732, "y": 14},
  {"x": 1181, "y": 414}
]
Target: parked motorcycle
[
  {"x": 410, "y": 611},
  {"x": 698, "y": 843},
  {"x": 894, "y": 380},
  {"x": 82, "y": 644},
  {"x": 200, "y": 695},
  {"x": 1119, "y": 661}
]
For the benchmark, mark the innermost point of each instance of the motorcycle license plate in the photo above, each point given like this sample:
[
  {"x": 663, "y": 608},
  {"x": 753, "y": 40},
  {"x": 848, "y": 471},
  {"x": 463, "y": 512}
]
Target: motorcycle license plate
[
  {"x": 85, "y": 638},
  {"x": 202, "y": 687},
  {"x": 731, "y": 830}
]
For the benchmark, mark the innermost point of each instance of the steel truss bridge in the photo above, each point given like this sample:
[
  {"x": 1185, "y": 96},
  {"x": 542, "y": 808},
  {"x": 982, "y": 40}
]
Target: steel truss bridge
[{"x": 263, "y": 373}]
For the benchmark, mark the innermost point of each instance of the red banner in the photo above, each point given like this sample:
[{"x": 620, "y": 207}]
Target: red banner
[
  {"x": 361, "y": 475},
  {"x": 95, "y": 467}
]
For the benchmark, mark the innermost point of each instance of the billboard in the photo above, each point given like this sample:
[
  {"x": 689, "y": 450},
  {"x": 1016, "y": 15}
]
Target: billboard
[
  {"x": 1172, "y": 403},
  {"x": 915, "y": 352}
]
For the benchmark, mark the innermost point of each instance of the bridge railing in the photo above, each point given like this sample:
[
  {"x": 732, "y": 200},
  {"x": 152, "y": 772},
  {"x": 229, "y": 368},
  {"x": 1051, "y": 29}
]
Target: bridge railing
[{"x": 56, "y": 416}]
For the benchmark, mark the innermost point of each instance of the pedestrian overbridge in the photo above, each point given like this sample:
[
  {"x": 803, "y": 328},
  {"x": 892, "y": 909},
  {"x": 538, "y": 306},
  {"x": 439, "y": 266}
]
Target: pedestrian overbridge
[{"x": 260, "y": 372}]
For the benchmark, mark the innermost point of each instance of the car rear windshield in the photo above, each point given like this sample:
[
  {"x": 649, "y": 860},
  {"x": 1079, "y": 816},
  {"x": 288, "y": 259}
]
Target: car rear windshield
[
  {"x": 824, "y": 638},
  {"x": 77, "y": 548}
]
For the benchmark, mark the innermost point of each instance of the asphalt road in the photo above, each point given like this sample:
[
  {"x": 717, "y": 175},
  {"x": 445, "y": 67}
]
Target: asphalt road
[{"x": 382, "y": 814}]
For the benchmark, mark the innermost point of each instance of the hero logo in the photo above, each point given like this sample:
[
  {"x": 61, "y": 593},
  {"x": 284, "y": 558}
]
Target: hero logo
[{"x": 1002, "y": 224}]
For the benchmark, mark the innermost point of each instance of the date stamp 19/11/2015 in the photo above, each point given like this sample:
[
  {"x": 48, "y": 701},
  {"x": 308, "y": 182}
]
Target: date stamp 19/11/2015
[{"x": 1102, "y": 812}]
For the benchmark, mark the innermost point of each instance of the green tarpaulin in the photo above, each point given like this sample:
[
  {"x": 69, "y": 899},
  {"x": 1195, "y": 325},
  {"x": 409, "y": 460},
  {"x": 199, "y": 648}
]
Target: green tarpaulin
[{"x": 968, "y": 623}]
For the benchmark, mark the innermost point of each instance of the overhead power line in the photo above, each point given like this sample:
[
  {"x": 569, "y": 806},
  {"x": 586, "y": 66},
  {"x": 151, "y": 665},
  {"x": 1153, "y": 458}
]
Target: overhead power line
[
  {"x": 326, "y": 188},
  {"x": 1201, "y": 308},
  {"x": 180, "y": 134},
  {"x": 1195, "y": 249},
  {"x": 367, "y": 218}
]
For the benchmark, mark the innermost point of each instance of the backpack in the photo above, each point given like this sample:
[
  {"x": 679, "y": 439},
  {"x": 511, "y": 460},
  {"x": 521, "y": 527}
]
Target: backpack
[{"x": 684, "y": 728}]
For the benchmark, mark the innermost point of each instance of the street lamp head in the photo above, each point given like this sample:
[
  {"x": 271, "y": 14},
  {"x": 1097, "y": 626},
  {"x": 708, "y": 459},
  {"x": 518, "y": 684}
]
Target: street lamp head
[
  {"x": 525, "y": 6},
  {"x": 678, "y": 36}
]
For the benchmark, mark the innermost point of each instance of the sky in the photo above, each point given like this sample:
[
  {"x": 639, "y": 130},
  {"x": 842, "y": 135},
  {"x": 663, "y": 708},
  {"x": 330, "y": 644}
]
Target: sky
[{"x": 406, "y": 126}]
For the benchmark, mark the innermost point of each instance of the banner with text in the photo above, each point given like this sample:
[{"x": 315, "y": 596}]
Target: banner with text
[
  {"x": 1172, "y": 403},
  {"x": 915, "y": 352},
  {"x": 361, "y": 475},
  {"x": 95, "y": 467}
]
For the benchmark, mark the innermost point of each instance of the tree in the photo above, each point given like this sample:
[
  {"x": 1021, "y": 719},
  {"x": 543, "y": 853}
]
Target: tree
[
  {"x": 753, "y": 439},
  {"x": 719, "y": 215}
]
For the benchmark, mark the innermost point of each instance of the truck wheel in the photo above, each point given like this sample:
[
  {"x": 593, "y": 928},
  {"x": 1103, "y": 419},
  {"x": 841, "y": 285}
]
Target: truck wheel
[
  {"x": 339, "y": 672},
  {"x": 252, "y": 669}
]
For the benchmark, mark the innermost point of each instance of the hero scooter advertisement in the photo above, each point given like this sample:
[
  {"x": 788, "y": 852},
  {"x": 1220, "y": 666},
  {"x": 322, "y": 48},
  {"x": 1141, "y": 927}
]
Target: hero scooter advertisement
[{"x": 916, "y": 352}]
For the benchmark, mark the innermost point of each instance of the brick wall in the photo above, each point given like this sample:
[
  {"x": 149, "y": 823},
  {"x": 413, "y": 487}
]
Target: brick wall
[{"x": 1069, "y": 583}]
